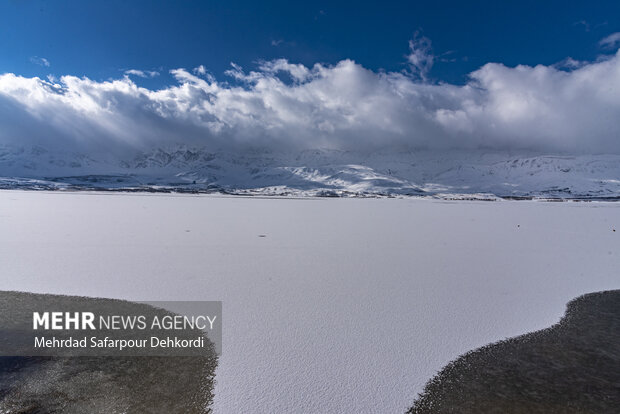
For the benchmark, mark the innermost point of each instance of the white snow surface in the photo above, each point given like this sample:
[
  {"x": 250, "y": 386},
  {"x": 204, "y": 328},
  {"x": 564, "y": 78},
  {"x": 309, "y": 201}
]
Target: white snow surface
[
  {"x": 317, "y": 172},
  {"x": 346, "y": 305}
]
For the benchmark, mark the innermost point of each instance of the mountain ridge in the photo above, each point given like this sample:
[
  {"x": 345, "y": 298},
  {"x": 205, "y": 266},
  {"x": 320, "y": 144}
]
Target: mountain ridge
[{"x": 318, "y": 172}]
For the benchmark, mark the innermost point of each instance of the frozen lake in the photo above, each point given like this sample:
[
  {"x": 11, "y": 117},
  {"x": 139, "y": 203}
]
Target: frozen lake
[{"x": 329, "y": 305}]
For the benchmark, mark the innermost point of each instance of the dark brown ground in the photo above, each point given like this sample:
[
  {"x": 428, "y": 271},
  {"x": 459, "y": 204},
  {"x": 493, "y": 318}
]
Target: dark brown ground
[{"x": 572, "y": 367}]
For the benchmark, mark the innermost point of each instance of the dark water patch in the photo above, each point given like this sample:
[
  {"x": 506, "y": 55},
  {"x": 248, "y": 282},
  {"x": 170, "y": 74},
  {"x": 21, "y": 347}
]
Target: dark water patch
[
  {"x": 571, "y": 367},
  {"x": 103, "y": 384}
]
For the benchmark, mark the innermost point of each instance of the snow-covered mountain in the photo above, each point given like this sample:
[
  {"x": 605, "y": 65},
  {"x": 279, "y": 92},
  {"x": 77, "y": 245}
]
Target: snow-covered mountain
[{"x": 316, "y": 173}]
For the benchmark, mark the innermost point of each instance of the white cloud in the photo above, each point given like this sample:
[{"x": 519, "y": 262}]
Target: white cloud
[
  {"x": 611, "y": 42},
  {"x": 40, "y": 61},
  {"x": 142, "y": 73},
  {"x": 420, "y": 56},
  {"x": 570, "y": 63},
  {"x": 584, "y": 24},
  {"x": 200, "y": 70},
  {"x": 298, "y": 72},
  {"x": 344, "y": 106}
]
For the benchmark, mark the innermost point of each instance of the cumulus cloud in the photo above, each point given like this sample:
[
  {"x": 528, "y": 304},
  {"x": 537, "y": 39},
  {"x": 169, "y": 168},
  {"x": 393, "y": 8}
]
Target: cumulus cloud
[
  {"x": 40, "y": 61},
  {"x": 611, "y": 42},
  {"x": 282, "y": 105},
  {"x": 298, "y": 72},
  {"x": 142, "y": 73}
]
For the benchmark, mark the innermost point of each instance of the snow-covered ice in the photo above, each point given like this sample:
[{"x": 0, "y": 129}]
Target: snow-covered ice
[{"x": 346, "y": 305}]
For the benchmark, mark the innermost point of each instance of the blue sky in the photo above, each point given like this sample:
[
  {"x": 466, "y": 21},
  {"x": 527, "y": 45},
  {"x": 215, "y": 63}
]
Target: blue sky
[
  {"x": 101, "y": 39},
  {"x": 540, "y": 76}
]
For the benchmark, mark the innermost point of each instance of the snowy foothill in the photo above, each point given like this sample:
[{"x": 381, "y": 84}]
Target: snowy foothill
[
  {"x": 329, "y": 305},
  {"x": 317, "y": 172}
]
